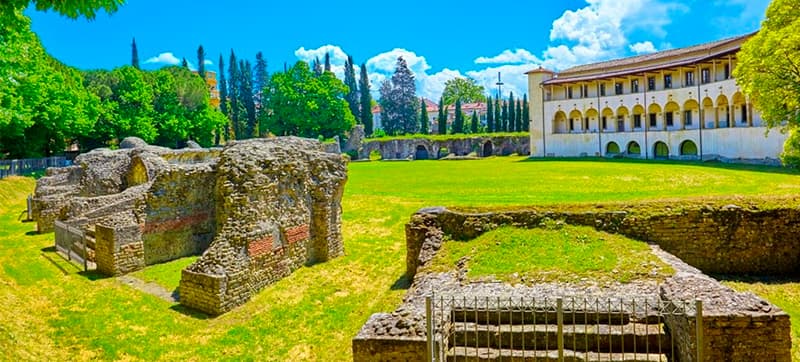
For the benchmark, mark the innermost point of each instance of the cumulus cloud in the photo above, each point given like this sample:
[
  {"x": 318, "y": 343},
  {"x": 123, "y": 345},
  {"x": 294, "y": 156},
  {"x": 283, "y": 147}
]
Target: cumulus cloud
[
  {"x": 513, "y": 76},
  {"x": 337, "y": 57},
  {"x": 508, "y": 56},
  {"x": 208, "y": 62},
  {"x": 164, "y": 58},
  {"x": 643, "y": 47}
]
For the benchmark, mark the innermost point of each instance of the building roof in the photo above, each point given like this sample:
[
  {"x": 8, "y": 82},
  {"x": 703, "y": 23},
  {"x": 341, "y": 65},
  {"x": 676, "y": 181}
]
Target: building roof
[{"x": 650, "y": 62}]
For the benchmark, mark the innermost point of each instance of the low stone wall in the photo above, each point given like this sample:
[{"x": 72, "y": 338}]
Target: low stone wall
[
  {"x": 118, "y": 250},
  {"x": 423, "y": 148}
]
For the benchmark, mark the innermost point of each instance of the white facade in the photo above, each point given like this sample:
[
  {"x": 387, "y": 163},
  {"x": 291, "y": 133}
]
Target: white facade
[{"x": 680, "y": 103}]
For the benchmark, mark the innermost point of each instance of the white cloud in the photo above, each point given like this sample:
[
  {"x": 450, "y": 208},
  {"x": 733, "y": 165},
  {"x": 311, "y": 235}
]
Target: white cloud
[
  {"x": 643, "y": 47},
  {"x": 513, "y": 76},
  {"x": 208, "y": 62},
  {"x": 164, "y": 58},
  {"x": 509, "y": 57}
]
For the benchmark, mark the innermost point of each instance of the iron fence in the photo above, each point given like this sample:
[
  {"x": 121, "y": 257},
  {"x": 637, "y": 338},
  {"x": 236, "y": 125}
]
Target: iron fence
[
  {"x": 71, "y": 243},
  {"x": 461, "y": 328},
  {"x": 28, "y": 165}
]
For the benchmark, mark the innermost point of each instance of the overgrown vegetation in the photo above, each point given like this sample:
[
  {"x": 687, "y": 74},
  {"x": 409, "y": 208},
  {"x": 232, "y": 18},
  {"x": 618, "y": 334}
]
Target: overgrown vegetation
[{"x": 554, "y": 252}]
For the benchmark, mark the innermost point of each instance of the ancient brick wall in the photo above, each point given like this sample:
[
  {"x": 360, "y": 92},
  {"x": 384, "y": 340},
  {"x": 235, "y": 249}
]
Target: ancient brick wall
[
  {"x": 484, "y": 146},
  {"x": 118, "y": 250}
]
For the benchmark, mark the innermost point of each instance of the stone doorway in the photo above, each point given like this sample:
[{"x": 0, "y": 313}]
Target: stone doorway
[
  {"x": 421, "y": 153},
  {"x": 487, "y": 149}
]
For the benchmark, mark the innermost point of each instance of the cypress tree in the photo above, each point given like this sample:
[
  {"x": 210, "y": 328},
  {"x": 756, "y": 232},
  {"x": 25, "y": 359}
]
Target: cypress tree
[
  {"x": 442, "y": 117},
  {"x": 260, "y": 81},
  {"x": 498, "y": 120},
  {"x": 352, "y": 87},
  {"x": 526, "y": 113},
  {"x": 519, "y": 116},
  {"x": 458, "y": 121},
  {"x": 504, "y": 117},
  {"x": 223, "y": 93},
  {"x": 366, "y": 101},
  {"x": 184, "y": 63},
  {"x": 317, "y": 67},
  {"x": 423, "y": 117},
  {"x": 134, "y": 55},
  {"x": 489, "y": 116},
  {"x": 247, "y": 99},
  {"x": 512, "y": 119},
  {"x": 201, "y": 62},
  {"x": 327, "y": 62},
  {"x": 474, "y": 125},
  {"x": 233, "y": 94}
]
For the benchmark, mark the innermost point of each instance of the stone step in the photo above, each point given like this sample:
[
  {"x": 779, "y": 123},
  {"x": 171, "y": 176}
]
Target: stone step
[
  {"x": 632, "y": 337},
  {"x": 549, "y": 316},
  {"x": 467, "y": 354}
]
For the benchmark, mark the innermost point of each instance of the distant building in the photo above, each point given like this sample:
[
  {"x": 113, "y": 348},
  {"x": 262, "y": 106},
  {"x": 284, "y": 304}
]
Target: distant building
[
  {"x": 211, "y": 83},
  {"x": 679, "y": 103}
]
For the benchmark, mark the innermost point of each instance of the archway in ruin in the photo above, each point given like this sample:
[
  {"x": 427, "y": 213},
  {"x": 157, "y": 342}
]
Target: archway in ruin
[
  {"x": 487, "y": 149},
  {"x": 421, "y": 153}
]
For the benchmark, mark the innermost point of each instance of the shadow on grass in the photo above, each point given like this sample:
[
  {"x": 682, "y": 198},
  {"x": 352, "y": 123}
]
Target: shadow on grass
[
  {"x": 47, "y": 254},
  {"x": 32, "y": 233},
  {"x": 402, "y": 283},
  {"x": 93, "y": 275},
  {"x": 764, "y": 279},
  {"x": 706, "y": 164},
  {"x": 189, "y": 312}
]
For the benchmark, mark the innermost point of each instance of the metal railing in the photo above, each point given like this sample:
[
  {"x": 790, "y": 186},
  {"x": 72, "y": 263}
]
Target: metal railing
[
  {"x": 28, "y": 165},
  {"x": 472, "y": 328},
  {"x": 71, "y": 243}
]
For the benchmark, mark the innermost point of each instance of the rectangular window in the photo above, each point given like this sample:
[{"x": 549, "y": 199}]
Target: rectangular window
[
  {"x": 571, "y": 124},
  {"x": 744, "y": 113},
  {"x": 652, "y": 119},
  {"x": 605, "y": 123},
  {"x": 651, "y": 83},
  {"x": 585, "y": 91},
  {"x": 689, "y": 79},
  {"x": 602, "y": 90},
  {"x": 727, "y": 71},
  {"x": 687, "y": 118},
  {"x": 586, "y": 124},
  {"x": 617, "y": 88},
  {"x": 569, "y": 92},
  {"x": 637, "y": 121},
  {"x": 635, "y": 86},
  {"x": 667, "y": 81},
  {"x": 669, "y": 116},
  {"x": 705, "y": 75},
  {"x": 620, "y": 124}
]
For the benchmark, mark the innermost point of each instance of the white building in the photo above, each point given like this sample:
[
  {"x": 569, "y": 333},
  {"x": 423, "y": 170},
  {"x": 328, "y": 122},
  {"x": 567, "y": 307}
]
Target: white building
[{"x": 680, "y": 103}]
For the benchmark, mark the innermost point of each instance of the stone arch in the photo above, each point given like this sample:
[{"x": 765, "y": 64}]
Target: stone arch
[
  {"x": 622, "y": 118},
  {"x": 607, "y": 120},
  {"x": 709, "y": 113},
  {"x": 723, "y": 113},
  {"x": 660, "y": 150},
  {"x": 688, "y": 148},
  {"x": 421, "y": 153},
  {"x": 739, "y": 108},
  {"x": 653, "y": 110},
  {"x": 575, "y": 120},
  {"x": 593, "y": 119},
  {"x": 638, "y": 116},
  {"x": 671, "y": 114},
  {"x": 691, "y": 112},
  {"x": 612, "y": 148},
  {"x": 137, "y": 173},
  {"x": 488, "y": 149},
  {"x": 560, "y": 122},
  {"x": 634, "y": 148}
]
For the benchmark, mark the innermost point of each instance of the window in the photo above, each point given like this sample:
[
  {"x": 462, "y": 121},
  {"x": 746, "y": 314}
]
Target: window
[
  {"x": 651, "y": 83},
  {"x": 569, "y": 92},
  {"x": 605, "y": 122},
  {"x": 571, "y": 124},
  {"x": 617, "y": 88},
  {"x": 669, "y": 116},
  {"x": 667, "y": 81},
  {"x": 652, "y": 119},
  {"x": 744, "y": 113},
  {"x": 602, "y": 89},
  {"x": 727, "y": 71},
  {"x": 586, "y": 124},
  {"x": 687, "y": 118},
  {"x": 705, "y": 75},
  {"x": 637, "y": 121},
  {"x": 635, "y": 86},
  {"x": 584, "y": 91},
  {"x": 689, "y": 79},
  {"x": 620, "y": 124}
]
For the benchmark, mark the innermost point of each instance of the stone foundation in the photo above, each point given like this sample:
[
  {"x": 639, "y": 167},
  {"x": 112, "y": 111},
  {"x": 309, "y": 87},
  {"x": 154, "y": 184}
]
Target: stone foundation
[{"x": 423, "y": 148}]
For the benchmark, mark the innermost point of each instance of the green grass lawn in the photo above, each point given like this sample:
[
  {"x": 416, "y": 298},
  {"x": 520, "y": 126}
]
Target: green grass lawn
[
  {"x": 553, "y": 253},
  {"x": 50, "y": 311}
]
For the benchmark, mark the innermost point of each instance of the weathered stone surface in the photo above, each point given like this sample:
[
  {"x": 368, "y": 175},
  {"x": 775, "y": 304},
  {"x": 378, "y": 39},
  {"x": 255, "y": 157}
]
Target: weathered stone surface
[
  {"x": 132, "y": 142},
  {"x": 423, "y": 148},
  {"x": 269, "y": 206}
]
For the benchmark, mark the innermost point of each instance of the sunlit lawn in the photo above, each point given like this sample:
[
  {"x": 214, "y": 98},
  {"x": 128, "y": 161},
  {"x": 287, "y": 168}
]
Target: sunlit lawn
[{"x": 50, "y": 311}]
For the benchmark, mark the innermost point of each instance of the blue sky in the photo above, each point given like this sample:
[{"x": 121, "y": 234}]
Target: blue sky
[{"x": 439, "y": 39}]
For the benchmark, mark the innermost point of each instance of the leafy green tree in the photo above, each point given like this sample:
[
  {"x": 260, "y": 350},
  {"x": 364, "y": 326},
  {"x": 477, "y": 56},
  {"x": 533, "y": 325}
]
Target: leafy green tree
[
  {"x": 465, "y": 89},
  {"x": 69, "y": 8},
  {"x": 474, "y": 124},
  {"x": 458, "y": 120},
  {"x": 307, "y": 105},
  {"x": 512, "y": 118},
  {"x": 442, "y": 117},
  {"x": 134, "y": 55},
  {"x": 352, "y": 87},
  {"x": 365, "y": 101},
  {"x": 423, "y": 116},
  {"x": 768, "y": 71},
  {"x": 489, "y": 116},
  {"x": 399, "y": 101},
  {"x": 526, "y": 113},
  {"x": 201, "y": 62}
]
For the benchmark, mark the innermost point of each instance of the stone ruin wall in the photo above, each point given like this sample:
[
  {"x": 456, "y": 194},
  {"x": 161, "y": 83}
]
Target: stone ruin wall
[
  {"x": 400, "y": 149},
  {"x": 256, "y": 209},
  {"x": 716, "y": 237}
]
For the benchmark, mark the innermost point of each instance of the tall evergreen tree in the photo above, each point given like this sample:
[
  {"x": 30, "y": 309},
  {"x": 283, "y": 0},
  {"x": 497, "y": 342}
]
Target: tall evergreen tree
[
  {"x": 474, "y": 125},
  {"x": 247, "y": 99},
  {"x": 201, "y": 62},
  {"x": 223, "y": 98},
  {"x": 399, "y": 101},
  {"x": 317, "y": 67},
  {"x": 504, "y": 117},
  {"x": 526, "y": 113},
  {"x": 518, "y": 113},
  {"x": 366, "y": 101},
  {"x": 498, "y": 120},
  {"x": 489, "y": 116},
  {"x": 352, "y": 87},
  {"x": 327, "y": 62},
  {"x": 441, "y": 119},
  {"x": 134, "y": 55},
  {"x": 233, "y": 94},
  {"x": 458, "y": 121},
  {"x": 184, "y": 63},
  {"x": 512, "y": 118},
  {"x": 423, "y": 116},
  {"x": 260, "y": 81}
]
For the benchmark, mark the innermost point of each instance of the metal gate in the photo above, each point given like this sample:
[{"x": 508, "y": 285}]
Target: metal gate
[
  {"x": 71, "y": 244},
  {"x": 558, "y": 329}
]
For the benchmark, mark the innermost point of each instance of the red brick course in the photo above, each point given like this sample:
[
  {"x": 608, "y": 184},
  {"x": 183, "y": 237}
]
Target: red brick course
[
  {"x": 260, "y": 247},
  {"x": 297, "y": 233},
  {"x": 177, "y": 224}
]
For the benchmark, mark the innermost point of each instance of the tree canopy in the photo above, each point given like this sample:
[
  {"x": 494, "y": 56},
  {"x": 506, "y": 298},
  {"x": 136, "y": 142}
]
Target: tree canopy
[
  {"x": 465, "y": 89},
  {"x": 769, "y": 70},
  {"x": 399, "y": 101}
]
